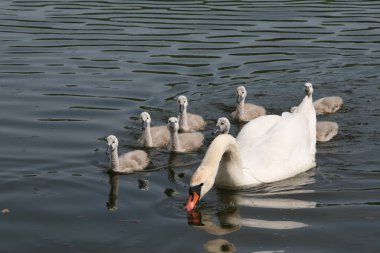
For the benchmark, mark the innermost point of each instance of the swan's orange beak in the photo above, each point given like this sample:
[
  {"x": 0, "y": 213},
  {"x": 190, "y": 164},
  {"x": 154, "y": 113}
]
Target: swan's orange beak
[{"x": 192, "y": 201}]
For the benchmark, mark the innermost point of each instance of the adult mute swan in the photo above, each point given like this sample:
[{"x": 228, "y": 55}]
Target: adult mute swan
[
  {"x": 183, "y": 142},
  {"x": 267, "y": 149},
  {"x": 245, "y": 112},
  {"x": 157, "y": 136},
  {"x": 188, "y": 121},
  {"x": 126, "y": 163},
  {"x": 222, "y": 126}
]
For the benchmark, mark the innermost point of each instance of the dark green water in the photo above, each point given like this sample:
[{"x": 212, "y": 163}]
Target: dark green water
[{"x": 73, "y": 72}]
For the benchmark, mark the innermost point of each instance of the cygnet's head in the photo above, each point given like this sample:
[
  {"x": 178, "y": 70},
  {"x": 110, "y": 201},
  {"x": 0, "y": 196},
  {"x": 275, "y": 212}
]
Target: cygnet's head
[
  {"x": 112, "y": 143},
  {"x": 308, "y": 89},
  {"x": 182, "y": 103},
  {"x": 173, "y": 124},
  {"x": 241, "y": 93},
  {"x": 145, "y": 120},
  {"x": 222, "y": 126}
]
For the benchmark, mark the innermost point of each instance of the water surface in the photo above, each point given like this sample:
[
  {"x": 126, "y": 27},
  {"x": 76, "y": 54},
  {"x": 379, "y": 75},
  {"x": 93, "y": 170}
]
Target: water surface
[{"x": 73, "y": 72}]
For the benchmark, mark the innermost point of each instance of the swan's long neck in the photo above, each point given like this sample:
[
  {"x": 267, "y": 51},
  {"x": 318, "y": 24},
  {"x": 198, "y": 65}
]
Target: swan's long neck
[
  {"x": 175, "y": 144},
  {"x": 307, "y": 108},
  {"x": 222, "y": 162},
  {"x": 114, "y": 160},
  {"x": 182, "y": 118},
  {"x": 147, "y": 137},
  {"x": 240, "y": 108}
]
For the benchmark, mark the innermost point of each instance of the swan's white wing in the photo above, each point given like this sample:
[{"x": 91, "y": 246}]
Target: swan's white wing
[
  {"x": 281, "y": 152},
  {"x": 256, "y": 128}
]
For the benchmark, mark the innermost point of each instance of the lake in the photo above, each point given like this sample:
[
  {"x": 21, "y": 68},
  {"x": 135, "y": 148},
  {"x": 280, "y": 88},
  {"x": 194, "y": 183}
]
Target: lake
[{"x": 74, "y": 72}]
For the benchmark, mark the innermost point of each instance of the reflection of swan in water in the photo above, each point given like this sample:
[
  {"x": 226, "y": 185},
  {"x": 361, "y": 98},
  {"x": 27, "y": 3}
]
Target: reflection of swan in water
[
  {"x": 114, "y": 189},
  {"x": 230, "y": 216}
]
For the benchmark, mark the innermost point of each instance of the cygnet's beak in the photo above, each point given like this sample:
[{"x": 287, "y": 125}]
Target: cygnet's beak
[
  {"x": 239, "y": 98},
  {"x": 192, "y": 201},
  {"x": 144, "y": 124},
  {"x": 172, "y": 125},
  {"x": 216, "y": 130},
  {"x": 108, "y": 149},
  {"x": 181, "y": 107},
  {"x": 307, "y": 90}
]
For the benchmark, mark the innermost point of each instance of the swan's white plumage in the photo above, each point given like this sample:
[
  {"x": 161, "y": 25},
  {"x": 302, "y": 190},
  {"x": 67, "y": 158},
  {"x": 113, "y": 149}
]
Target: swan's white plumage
[
  {"x": 279, "y": 152},
  {"x": 306, "y": 107}
]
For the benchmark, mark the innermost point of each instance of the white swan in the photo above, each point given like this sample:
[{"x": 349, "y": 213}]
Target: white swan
[
  {"x": 326, "y": 130},
  {"x": 328, "y": 104},
  {"x": 188, "y": 121},
  {"x": 267, "y": 149},
  {"x": 183, "y": 142},
  {"x": 127, "y": 163},
  {"x": 245, "y": 112},
  {"x": 222, "y": 126},
  {"x": 157, "y": 136}
]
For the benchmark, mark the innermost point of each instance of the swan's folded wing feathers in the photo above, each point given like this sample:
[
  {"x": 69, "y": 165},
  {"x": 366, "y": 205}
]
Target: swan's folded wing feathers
[{"x": 280, "y": 153}]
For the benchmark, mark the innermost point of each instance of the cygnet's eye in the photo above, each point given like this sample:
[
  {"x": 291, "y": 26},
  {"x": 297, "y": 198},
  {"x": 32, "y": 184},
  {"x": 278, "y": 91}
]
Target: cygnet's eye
[
  {"x": 113, "y": 141},
  {"x": 222, "y": 123}
]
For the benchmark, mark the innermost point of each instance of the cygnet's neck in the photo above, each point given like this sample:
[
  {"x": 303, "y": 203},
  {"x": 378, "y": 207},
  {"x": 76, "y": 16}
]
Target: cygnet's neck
[
  {"x": 147, "y": 136},
  {"x": 175, "y": 144},
  {"x": 240, "y": 108},
  {"x": 114, "y": 160},
  {"x": 182, "y": 119}
]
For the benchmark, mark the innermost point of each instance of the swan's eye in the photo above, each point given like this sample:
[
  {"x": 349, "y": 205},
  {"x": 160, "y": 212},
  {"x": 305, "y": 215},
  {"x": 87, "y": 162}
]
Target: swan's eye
[
  {"x": 113, "y": 141},
  {"x": 222, "y": 123}
]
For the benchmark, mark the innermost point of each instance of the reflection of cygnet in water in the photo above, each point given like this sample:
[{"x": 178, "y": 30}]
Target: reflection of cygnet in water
[
  {"x": 114, "y": 191},
  {"x": 219, "y": 245}
]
